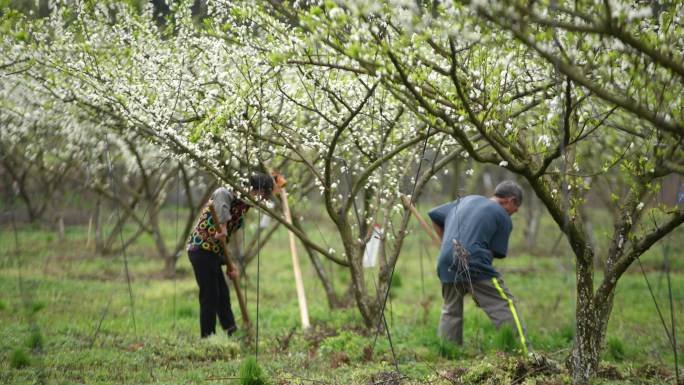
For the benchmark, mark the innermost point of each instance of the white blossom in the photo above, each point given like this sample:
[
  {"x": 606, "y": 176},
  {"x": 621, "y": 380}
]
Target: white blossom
[{"x": 545, "y": 140}]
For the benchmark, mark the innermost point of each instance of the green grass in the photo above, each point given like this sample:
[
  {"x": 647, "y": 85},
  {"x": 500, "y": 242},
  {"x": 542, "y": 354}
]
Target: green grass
[
  {"x": 615, "y": 348},
  {"x": 251, "y": 373},
  {"x": 66, "y": 315},
  {"x": 19, "y": 358},
  {"x": 35, "y": 340},
  {"x": 505, "y": 339}
]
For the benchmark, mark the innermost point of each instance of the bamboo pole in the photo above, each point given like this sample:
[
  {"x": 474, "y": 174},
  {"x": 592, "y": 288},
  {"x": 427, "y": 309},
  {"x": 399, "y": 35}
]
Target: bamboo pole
[
  {"x": 423, "y": 224},
  {"x": 299, "y": 284},
  {"x": 90, "y": 231}
]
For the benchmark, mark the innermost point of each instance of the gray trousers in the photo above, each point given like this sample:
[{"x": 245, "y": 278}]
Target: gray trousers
[{"x": 491, "y": 295}]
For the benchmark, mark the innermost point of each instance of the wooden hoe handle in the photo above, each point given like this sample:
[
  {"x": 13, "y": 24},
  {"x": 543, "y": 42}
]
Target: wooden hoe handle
[
  {"x": 236, "y": 284},
  {"x": 435, "y": 239}
]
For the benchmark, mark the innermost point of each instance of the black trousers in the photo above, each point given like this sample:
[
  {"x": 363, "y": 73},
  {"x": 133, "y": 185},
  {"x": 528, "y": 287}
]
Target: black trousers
[{"x": 213, "y": 292}]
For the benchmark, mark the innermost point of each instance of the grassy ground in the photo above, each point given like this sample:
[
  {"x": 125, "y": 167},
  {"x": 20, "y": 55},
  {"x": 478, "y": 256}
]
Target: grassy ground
[{"x": 67, "y": 317}]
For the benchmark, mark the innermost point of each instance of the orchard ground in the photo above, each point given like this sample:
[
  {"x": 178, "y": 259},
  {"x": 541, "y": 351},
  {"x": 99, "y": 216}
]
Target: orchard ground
[{"x": 67, "y": 317}]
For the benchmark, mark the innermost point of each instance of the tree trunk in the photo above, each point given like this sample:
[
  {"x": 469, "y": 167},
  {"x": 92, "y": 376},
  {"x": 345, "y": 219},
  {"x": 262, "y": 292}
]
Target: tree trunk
[
  {"x": 592, "y": 315},
  {"x": 453, "y": 189},
  {"x": 360, "y": 291},
  {"x": 98, "y": 226},
  {"x": 169, "y": 259},
  {"x": 534, "y": 214},
  {"x": 333, "y": 301},
  {"x": 170, "y": 265},
  {"x": 358, "y": 281},
  {"x": 60, "y": 228},
  {"x": 108, "y": 244}
]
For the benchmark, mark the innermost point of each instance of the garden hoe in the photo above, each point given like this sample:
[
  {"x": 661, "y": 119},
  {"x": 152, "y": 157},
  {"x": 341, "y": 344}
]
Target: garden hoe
[
  {"x": 236, "y": 283},
  {"x": 435, "y": 238}
]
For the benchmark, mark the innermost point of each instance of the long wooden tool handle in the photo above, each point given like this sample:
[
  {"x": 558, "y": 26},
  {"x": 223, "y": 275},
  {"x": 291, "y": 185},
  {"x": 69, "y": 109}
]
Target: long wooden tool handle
[
  {"x": 243, "y": 304},
  {"x": 423, "y": 224},
  {"x": 238, "y": 290},
  {"x": 236, "y": 284},
  {"x": 299, "y": 284}
]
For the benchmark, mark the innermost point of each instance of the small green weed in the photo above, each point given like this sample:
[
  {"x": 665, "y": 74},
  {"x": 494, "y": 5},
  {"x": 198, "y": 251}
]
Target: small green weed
[
  {"x": 19, "y": 358},
  {"x": 505, "y": 339},
  {"x": 349, "y": 342},
  {"x": 567, "y": 332},
  {"x": 478, "y": 374},
  {"x": 616, "y": 349},
  {"x": 186, "y": 312},
  {"x": 251, "y": 373},
  {"x": 37, "y": 306},
  {"x": 450, "y": 350},
  {"x": 396, "y": 280},
  {"x": 35, "y": 340}
]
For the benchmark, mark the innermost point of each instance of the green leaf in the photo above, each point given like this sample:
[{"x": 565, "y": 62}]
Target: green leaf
[
  {"x": 21, "y": 35},
  {"x": 276, "y": 58}
]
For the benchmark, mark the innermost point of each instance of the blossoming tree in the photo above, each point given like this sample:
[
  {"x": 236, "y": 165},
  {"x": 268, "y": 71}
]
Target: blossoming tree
[
  {"x": 552, "y": 93},
  {"x": 220, "y": 98}
]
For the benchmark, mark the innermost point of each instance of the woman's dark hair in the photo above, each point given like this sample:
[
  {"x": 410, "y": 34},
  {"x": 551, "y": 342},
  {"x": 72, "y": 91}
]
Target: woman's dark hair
[{"x": 262, "y": 183}]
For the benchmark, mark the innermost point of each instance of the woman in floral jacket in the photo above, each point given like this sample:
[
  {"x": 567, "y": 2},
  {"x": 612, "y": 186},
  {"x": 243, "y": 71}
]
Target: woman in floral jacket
[{"x": 220, "y": 217}]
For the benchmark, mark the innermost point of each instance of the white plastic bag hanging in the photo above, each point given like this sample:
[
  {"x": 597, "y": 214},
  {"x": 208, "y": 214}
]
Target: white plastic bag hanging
[
  {"x": 265, "y": 218},
  {"x": 370, "y": 254}
]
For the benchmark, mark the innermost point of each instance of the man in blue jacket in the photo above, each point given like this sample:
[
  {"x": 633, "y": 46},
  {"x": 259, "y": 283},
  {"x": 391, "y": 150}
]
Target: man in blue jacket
[{"x": 475, "y": 230}]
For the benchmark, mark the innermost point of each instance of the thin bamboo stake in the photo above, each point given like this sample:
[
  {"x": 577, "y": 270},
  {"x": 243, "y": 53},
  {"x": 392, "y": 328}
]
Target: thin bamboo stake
[
  {"x": 423, "y": 224},
  {"x": 301, "y": 296},
  {"x": 90, "y": 231}
]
